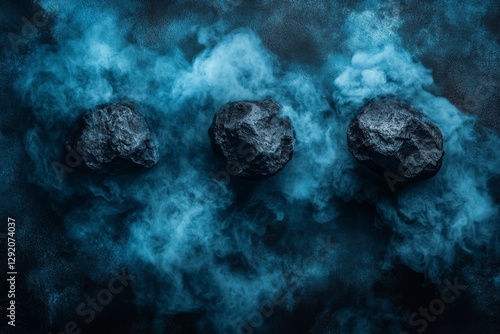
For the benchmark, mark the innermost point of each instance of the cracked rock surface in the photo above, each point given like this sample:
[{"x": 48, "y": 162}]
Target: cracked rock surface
[
  {"x": 254, "y": 140},
  {"x": 114, "y": 139},
  {"x": 389, "y": 135}
]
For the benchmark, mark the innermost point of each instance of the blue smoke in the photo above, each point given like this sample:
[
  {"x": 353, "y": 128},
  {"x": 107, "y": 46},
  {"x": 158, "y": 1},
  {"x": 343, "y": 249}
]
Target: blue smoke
[{"x": 203, "y": 244}]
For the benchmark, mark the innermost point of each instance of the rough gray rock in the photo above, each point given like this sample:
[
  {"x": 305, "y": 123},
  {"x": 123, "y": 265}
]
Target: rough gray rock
[
  {"x": 389, "y": 135},
  {"x": 253, "y": 139},
  {"x": 114, "y": 139}
]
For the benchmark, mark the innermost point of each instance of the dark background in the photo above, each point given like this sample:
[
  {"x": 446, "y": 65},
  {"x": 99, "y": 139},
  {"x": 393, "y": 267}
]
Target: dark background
[{"x": 461, "y": 49}]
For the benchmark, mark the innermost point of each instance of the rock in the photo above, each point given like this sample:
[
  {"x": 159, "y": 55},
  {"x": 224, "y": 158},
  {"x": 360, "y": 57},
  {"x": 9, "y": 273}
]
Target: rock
[
  {"x": 114, "y": 139},
  {"x": 255, "y": 141},
  {"x": 389, "y": 135}
]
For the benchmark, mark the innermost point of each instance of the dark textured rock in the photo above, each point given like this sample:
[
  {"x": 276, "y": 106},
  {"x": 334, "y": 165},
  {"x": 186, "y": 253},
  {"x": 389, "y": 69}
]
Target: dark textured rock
[
  {"x": 389, "y": 135},
  {"x": 114, "y": 139},
  {"x": 253, "y": 139}
]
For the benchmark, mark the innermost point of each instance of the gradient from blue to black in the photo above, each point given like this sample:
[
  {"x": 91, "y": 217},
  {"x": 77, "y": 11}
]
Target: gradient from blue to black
[{"x": 204, "y": 254}]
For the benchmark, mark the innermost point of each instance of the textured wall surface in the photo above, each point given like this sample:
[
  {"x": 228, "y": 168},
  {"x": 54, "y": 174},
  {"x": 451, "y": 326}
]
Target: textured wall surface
[{"x": 324, "y": 246}]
